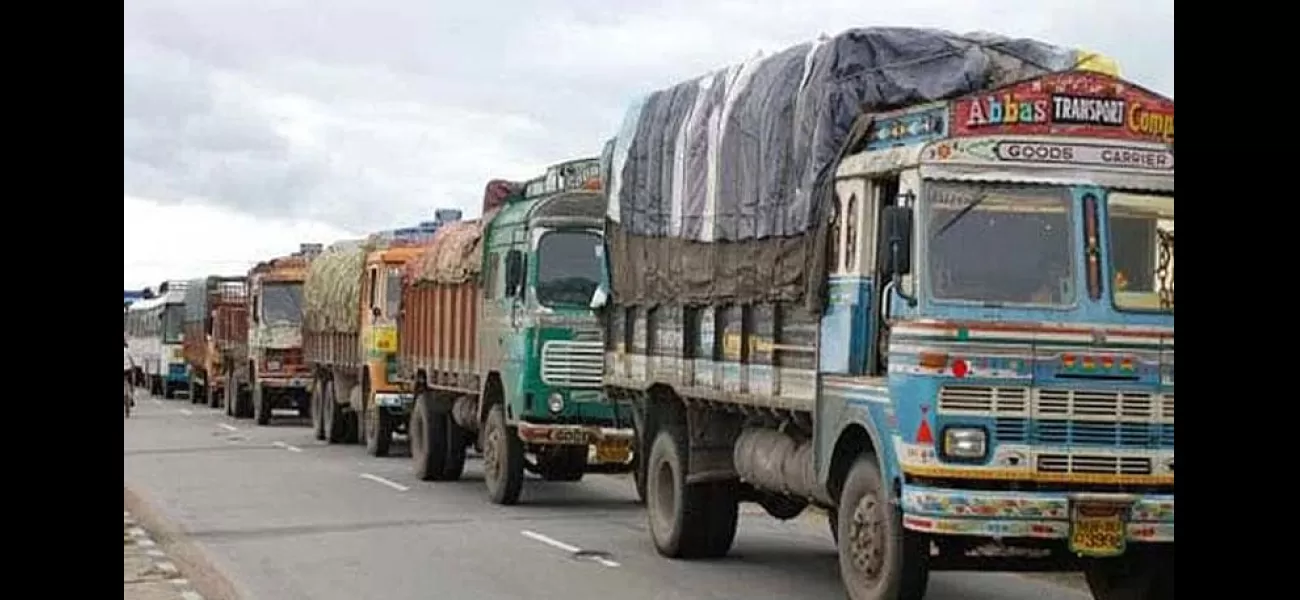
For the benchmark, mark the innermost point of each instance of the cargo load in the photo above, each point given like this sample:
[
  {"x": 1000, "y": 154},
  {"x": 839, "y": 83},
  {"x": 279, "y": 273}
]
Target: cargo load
[
  {"x": 719, "y": 186},
  {"x": 455, "y": 255},
  {"x": 332, "y": 292}
]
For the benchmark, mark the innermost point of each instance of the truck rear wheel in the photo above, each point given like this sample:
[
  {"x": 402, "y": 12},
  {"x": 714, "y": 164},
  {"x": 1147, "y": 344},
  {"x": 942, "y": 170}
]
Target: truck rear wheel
[
  {"x": 335, "y": 424},
  {"x": 261, "y": 405},
  {"x": 1143, "y": 573},
  {"x": 879, "y": 560},
  {"x": 379, "y": 431},
  {"x": 563, "y": 463},
  {"x": 317, "y": 409},
  {"x": 503, "y": 459},
  {"x": 687, "y": 520}
]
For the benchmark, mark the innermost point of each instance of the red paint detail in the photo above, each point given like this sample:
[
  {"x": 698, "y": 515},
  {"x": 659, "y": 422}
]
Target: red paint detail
[
  {"x": 919, "y": 523},
  {"x": 1040, "y": 529},
  {"x": 960, "y": 368},
  {"x": 1027, "y": 108},
  {"x": 923, "y": 433}
]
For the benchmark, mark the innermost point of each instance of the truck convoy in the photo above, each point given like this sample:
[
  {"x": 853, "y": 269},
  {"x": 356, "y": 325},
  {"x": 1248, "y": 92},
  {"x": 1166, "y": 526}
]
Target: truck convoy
[
  {"x": 922, "y": 281},
  {"x": 353, "y": 297},
  {"x": 499, "y": 345},
  {"x": 153, "y": 336},
  {"x": 272, "y": 373},
  {"x": 216, "y": 314}
]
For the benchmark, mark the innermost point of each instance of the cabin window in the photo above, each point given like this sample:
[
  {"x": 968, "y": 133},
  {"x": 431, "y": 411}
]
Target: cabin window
[
  {"x": 374, "y": 288},
  {"x": 836, "y": 250},
  {"x": 490, "y": 284},
  {"x": 851, "y": 234}
]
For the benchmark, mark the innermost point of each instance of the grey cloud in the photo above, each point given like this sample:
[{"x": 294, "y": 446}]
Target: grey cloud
[{"x": 370, "y": 115}]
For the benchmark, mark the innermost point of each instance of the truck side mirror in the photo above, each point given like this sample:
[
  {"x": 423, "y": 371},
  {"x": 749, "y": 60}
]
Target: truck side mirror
[
  {"x": 898, "y": 240},
  {"x": 514, "y": 272}
]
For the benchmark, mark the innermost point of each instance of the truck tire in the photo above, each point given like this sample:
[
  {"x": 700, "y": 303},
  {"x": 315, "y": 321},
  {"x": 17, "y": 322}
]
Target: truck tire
[
  {"x": 317, "y": 410},
  {"x": 379, "y": 433},
  {"x": 1141, "y": 574},
  {"x": 261, "y": 405},
  {"x": 687, "y": 520},
  {"x": 563, "y": 463},
  {"x": 503, "y": 459},
  {"x": 335, "y": 424},
  {"x": 194, "y": 390},
  {"x": 879, "y": 560},
  {"x": 232, "y": 395},
  {"x": 427, "y": 432}
]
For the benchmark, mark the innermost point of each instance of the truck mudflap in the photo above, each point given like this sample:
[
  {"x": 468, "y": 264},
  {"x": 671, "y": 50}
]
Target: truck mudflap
[
  {"x": 613, "y": 445},
  {"x": 392, "y": 400},
  {"x": 1096, "y": 525}
]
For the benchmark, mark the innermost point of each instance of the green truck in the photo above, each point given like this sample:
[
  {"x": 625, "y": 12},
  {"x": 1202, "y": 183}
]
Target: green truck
[{"x": 500, "y": 346}]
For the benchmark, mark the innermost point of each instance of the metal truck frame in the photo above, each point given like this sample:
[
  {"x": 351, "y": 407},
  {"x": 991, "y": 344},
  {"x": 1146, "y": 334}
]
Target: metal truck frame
[
  {"x": 355, "y": 397},
  {"x": 274, "y": 374},
  {"x": 942, "y": 426},
  {"x": 497, "y": 364}
]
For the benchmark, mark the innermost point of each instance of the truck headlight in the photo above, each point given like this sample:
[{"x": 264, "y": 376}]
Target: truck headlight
[
  {"x": 555, "y": 402},
  {"x": 965, "y": 443}
]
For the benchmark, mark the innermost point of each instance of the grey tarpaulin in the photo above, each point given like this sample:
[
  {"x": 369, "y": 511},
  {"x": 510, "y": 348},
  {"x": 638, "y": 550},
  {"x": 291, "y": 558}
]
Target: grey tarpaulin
[{"x": 718, "y": 185}]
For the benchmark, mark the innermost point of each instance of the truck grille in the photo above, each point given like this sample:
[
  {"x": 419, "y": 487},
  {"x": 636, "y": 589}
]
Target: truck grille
[
  {"x": 1065, "y": 416},
  {"x": 1094, "y": 464},
  {"x": 573, "y": 364}
]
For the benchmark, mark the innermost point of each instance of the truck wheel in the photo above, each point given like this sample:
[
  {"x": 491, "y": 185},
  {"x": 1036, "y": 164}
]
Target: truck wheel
[
  {"x": 232, "y": 395},
  {"x": 833, "y": 519},
  {"x": 333, "y": 415},
  {"x": 428, "y": 435},
  {"x": 379, "y": 431},
  {"x": 563, "y": 463},
  {"x": 1141, "y": 574},
  {"x": 194, "y": 391},
  {"x": 457, "y": 440},
  {"x": 879, "y": 560},
  {"x": 503, "y": 459},
  {"x": 261, "y": 405},
  {"x": 687, "y": 520},
  {"x": 317, "y": 410}
]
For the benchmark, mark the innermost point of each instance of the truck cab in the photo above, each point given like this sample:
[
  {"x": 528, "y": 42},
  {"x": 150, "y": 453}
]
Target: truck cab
[
  {"x": 278, "y": 377},
  {"x": 1001, "y": 330}
]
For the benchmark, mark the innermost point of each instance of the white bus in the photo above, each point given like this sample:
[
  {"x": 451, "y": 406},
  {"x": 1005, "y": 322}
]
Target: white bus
[{"x": 153, "y": 337}]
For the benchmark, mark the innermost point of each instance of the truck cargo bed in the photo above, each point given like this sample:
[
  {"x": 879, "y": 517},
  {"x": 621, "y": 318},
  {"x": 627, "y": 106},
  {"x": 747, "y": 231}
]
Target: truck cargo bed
[
  {"x": 438, "y": 334},
  {"x": 331, "y": 348}
]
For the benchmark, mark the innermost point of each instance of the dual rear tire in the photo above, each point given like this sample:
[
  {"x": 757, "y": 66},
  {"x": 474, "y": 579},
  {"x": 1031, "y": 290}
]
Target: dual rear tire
[{"x": 437, "y": 442}]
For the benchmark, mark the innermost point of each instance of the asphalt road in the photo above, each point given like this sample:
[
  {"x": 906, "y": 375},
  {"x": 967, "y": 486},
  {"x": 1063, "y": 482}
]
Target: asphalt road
[{"x": 284, "y": 517}]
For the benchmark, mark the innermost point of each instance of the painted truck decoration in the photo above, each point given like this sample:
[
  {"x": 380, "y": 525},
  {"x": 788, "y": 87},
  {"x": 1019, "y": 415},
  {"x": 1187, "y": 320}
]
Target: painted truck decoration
[
  {"x": 273, "y": 374},
  {"x": 500, "y": 346},
  {"x": 990, "y": 385}
]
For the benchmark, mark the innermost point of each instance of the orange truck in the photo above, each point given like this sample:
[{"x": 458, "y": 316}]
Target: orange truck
[
  {"x": 353, "y": 297},
  {"x": 213, "y": 306},
  {"x": 273, "y": 375}
]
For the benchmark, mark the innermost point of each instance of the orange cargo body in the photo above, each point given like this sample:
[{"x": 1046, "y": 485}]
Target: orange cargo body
[
  {"x": 194, "y": 344},
  {"x": 230, "y": 328},
  {"x": 331, "y": 348},
  {"x": 439, "y": 331}
]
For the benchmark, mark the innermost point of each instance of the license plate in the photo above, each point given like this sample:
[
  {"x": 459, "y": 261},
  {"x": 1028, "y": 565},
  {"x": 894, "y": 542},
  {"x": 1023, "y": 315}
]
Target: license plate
[
  {"x": 1098, "y": 529},
  {"x": 613, "y": 452},
  {"x": 569, "y": 436}
]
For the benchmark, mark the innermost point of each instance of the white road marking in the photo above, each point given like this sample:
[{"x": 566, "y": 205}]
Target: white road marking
[
  {"x": 167, "y": 566},
  {"x": 549, "y": 541},
  {"x": 286, "y": 446},
  {"x": 392, "y": 484},
  {"x": 227, "y": 427},
  {"x": 156, "y": 553},
  {"x": 605, "y": 561},
  {"x": 187, "y": 412},
  {"x": 157, "y": 401},
  {"x": 189, "y": 595}
]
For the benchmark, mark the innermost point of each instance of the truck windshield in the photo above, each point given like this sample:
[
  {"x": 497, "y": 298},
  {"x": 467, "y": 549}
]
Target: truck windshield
[
  {"x": 282, "y": 303},
  {"x": 173, "y": 317},
  {"x": 999, "y": 244},
  {"x": 393, "y": 292},
  {"x": 1142, "y": 251},
  {"x": 568, "y": 267}
]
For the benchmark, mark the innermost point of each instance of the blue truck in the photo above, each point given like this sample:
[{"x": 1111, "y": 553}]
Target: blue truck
[{"x": 936, "y": 303}]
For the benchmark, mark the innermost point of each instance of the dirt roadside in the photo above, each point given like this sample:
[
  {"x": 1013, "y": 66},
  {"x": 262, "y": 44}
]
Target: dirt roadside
[{"x": 175, "y": 562}]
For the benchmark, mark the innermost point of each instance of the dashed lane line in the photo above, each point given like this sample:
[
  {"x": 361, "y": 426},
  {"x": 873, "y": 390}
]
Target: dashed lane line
[{"x": 380, "y": 480}]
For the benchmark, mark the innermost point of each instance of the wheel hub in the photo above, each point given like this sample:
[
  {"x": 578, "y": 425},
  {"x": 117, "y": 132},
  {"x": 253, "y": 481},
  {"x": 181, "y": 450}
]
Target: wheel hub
[{"x": 867, "y": 539}]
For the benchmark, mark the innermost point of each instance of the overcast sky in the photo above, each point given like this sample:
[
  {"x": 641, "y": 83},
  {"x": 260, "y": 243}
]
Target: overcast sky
[{"x": 249, "y": 126}]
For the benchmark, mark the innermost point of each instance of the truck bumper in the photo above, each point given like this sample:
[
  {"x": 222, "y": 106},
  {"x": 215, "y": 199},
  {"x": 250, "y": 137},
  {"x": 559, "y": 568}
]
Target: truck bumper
[
  {"x": 612, "y": 445},
  {"x": 1150, "y": 518},
  {"x": 300, "y": 381},
  {"x": 394, "y": 400}
]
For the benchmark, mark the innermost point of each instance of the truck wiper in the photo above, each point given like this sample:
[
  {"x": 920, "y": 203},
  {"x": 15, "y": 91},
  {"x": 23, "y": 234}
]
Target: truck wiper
[{"x": 961, "y": 213}]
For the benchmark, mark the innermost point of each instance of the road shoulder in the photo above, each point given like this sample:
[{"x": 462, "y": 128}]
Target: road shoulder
[{"x": 159, "y": 554}]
